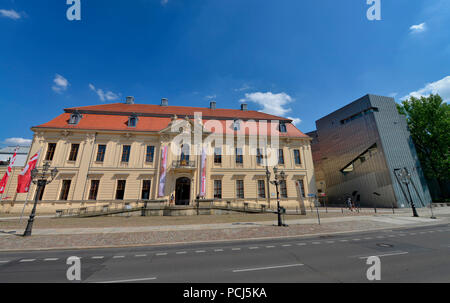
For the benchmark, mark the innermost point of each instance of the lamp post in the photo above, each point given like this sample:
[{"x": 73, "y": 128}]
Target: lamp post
[
  {"x": 279, "y": 177},
  {"x": 405, "y": 177},
  {"x": 268, "y": 186},
  {"x": 40, "y": 178}
]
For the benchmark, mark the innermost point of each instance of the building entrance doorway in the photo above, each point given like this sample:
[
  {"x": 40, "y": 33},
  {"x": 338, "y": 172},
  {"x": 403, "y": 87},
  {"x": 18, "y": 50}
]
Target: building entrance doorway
[{"x": 182, "y": 191}]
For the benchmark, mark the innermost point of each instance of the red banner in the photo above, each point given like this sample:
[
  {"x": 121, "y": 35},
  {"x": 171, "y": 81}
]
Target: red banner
[{"x": 24, "y": 179}]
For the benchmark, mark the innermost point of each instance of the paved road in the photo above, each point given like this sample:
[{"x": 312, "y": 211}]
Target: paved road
[{"x": 420, "y": 254}]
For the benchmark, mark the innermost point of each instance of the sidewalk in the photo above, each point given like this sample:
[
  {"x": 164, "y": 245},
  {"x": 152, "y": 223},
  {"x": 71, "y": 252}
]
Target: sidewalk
[{"x": 84, "y": 238}]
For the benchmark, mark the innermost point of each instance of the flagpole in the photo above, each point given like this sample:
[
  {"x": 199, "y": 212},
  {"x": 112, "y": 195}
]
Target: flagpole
[{"x": 24, "y": 205}]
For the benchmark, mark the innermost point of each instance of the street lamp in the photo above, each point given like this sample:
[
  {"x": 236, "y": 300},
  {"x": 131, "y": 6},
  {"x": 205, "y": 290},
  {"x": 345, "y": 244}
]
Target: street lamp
[
  {"x": 40, "y": 178},
  {"x": 279, "y": 177},
  {"x": 405, "y": 177},
  {"x": 268, "y": 186}
]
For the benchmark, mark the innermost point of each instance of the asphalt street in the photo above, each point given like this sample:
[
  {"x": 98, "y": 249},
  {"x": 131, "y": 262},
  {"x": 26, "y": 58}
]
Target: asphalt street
[{"x": 420, "y": 254}]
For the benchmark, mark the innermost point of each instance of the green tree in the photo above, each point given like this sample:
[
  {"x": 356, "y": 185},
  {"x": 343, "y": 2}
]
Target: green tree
[{"x": 429, "y": 123}]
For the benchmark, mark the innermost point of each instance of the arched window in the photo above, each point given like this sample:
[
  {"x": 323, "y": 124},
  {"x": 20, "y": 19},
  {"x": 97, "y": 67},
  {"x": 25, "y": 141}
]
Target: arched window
[
  {"x": 132, "y": 120},
  {"x": 75, "y": 118},
  {"x": 185, "y": 151}
]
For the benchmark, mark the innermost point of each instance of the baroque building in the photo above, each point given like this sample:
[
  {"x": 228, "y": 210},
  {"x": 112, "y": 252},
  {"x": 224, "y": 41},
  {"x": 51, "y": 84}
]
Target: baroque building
[{"x": 127, "y": 152}]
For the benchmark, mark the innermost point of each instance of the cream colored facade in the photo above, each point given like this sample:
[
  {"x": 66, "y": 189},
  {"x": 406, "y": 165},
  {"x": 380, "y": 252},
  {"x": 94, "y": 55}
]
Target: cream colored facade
[{"x": 108, "y": 172}]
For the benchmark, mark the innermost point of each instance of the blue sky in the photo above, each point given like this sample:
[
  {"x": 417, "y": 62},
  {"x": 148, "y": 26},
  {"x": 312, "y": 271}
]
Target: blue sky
[{"x": 300, "y": 59}]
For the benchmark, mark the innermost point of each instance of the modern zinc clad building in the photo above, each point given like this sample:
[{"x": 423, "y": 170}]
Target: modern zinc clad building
[
  {"x": 127, "y": 152},
  {"x": 356, "y": 150}
]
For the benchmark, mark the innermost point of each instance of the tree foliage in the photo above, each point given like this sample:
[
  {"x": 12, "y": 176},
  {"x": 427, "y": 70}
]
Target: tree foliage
[{"x": 429, "y": 123}]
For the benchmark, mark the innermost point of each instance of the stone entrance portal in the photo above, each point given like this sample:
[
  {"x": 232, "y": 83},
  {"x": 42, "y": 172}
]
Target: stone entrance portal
[{"x": 183, "y": 191}]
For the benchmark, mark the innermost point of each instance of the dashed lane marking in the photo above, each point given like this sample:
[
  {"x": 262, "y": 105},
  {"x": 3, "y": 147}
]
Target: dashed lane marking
[
  {"x": 139, "y": 256},
  {"x": 235, "y": 249},
  {"x": 181, "y": 252},
  {"x": 255, "y": 247},
  {"x": 270, "y": 246},
  {"x": 97, "y": 257},
  {"x": 287, "y": 245},
  {"x": 51, "y": 259},
  {"x": 217, "y": 250},
  {"x": 161, "y": 254},
  {"x": 200, "y": 251},
  {"x": 268, "y": 267},
  {"x": 27, "y": 260},
  {"x": 129, "y": 280},
  {"x": 118, "y": 257}
]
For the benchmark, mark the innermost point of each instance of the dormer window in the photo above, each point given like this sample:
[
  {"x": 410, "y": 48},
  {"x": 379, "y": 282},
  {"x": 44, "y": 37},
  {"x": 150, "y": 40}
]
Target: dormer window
[
  {"x": 283, "y": 128},
  {"x": 75, "y": 118},
  {"x": 132, "y": 120},
  {"x": 237, "y": 125}
]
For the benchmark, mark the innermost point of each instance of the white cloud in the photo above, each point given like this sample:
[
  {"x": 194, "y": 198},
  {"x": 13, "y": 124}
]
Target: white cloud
[
  {"x": 244, "y": 87},
  {"x": 11, "y": 14},
  {"x": 418, "y": 28},
  {"x": 211, "y": 97},
  {"x": 441, "y": 87},
  {"x": 295, "y": 121},
  {"x": 104, "y": 96},
  {"x": 18, "y": 141},
  {"x": 273, "y": 104},
  {"x": 61, "y": 84}
]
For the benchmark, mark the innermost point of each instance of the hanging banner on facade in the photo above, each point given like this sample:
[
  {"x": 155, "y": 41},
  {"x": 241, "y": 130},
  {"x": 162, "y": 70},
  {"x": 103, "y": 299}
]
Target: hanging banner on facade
[
  {"x": 203, "y": 175},
  {"x": 162, "y": 172}
]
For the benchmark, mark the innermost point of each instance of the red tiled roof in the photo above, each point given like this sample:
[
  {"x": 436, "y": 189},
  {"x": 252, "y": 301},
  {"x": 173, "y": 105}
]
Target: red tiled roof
[
  {"x": 182, "y": 111},
  {"x": 149, "y": 124}
]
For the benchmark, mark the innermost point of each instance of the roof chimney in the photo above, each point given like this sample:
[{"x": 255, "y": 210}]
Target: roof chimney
[
  {"x": 212, "y": 105},
  {"x": 244, "y": 106},
  {"x": 164, "y": 102},
  {"x": 129, "y": 100}
]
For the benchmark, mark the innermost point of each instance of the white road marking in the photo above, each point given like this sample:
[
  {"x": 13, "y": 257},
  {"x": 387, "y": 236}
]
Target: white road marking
[
  {"x": 301, "y": 244},
  {"x": 235, "y": 249},
  {"x": 343, "y": 240},
  {"x": 97, "y": 257},
  {"x": 268, "y": 267},
  {"x": 255, "y": 247},
  {"x": 51, "y": 259},
  {"x": 387, "y": 254},
  {"x": 287, "y": 245},
  {"x": 161, "y": 254},
  {"x": 330, "y": 242},
  {"x": 218, "y": 249},
  {"x": 130, "y": 280},
  {"x": 181, "y": 252},
  {"x": 138, "y": 256},
  {"x": 315, "y": 243},
  {"x": 200, "y": 251},
  {"x": 4, "y": 261},
  {"x": 118, "y": 257},
  {"x": 356, "y": 239},
  {"x": 27, "y": 260},
  {"x": 270, "y": 246}
]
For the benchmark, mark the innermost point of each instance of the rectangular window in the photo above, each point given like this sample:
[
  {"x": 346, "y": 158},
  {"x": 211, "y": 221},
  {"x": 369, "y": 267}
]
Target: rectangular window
[
  {"x": 283, "y": 128},
  {"x": 101, "y": 153},
  {"x": 302, "y": 187},
  {"x": 259, "y": 156},
  {"x": 146, "y": 185},
  {"x": 297, "y": 159},
  {"x": 74, "y": 152},
  {"x": 280, "y": 157},
  {"x": 218, "y": 155},
  {"x": 239, "y": 156},
  {"x": 120, "y": 191},
  {"x": 65, "y": 190},
  {"x": 126, "y": 153},
  {"x": 261, "y": 189},
  {"x": 283, "y": 189},
  {"x": 240, "y": 189},
  {"x": 94, "y": 190},
  {"x": 150, "y": 155},
  {"x": 217, "y": 189},
  {"x": 50, "y": 152}
]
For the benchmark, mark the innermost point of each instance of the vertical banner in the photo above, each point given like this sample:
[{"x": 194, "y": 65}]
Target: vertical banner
[
  {"x": 24, "y": 179},
  {"x": 203, "y": 175},
  {"x": 5, "y": 178},
  {"x": 162, "y": 172}
]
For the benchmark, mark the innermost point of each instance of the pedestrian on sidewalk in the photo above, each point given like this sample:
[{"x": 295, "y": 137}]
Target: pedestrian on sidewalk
[{"x": 349, "y": 203}]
